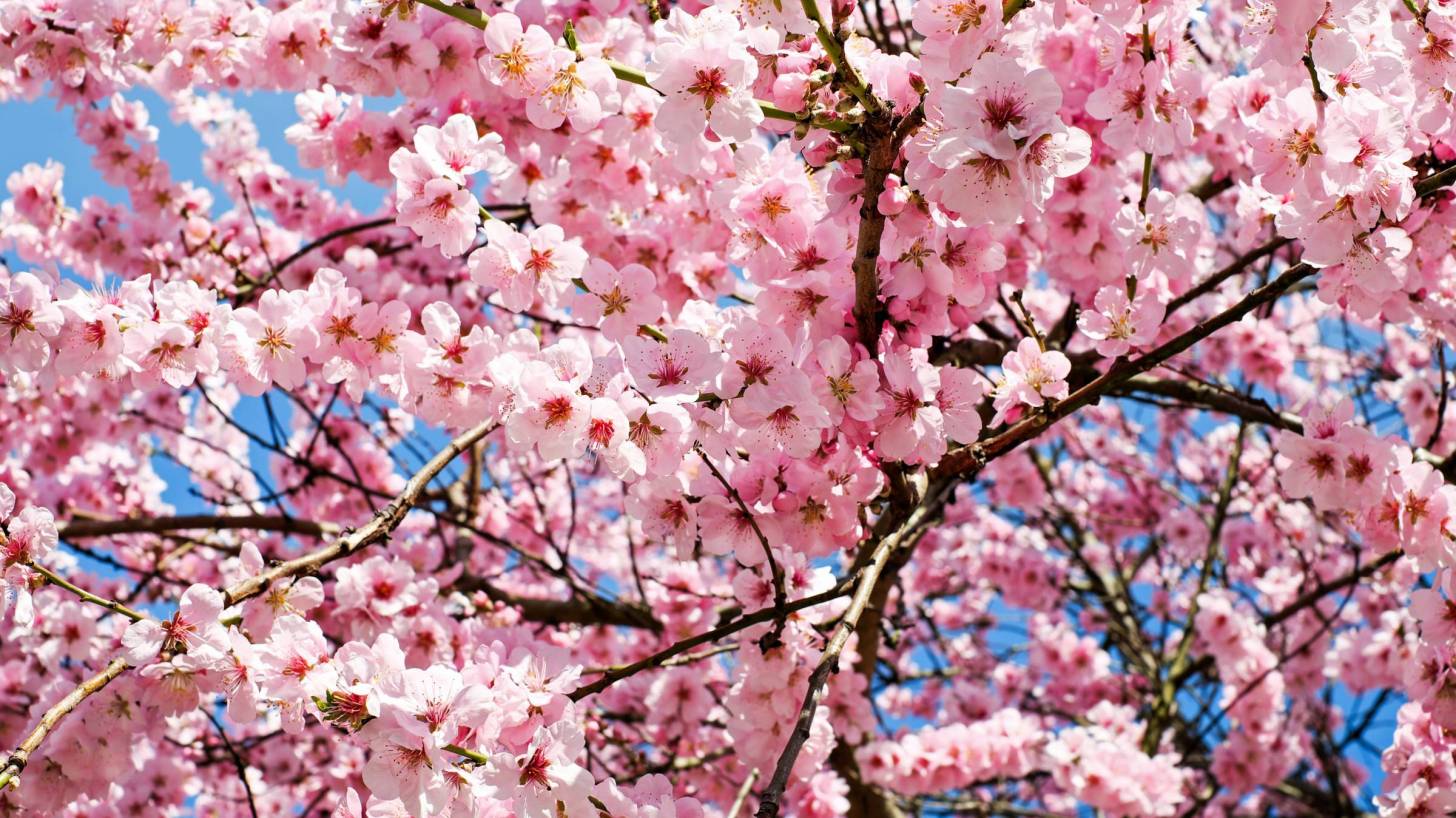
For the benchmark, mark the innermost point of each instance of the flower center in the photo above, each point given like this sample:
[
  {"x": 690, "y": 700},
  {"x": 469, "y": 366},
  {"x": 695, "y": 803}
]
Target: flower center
[
  {"x": 710, "y": 85},
  {"x": 274, "y": 341},
  {"x": 1001, "y": 112}
]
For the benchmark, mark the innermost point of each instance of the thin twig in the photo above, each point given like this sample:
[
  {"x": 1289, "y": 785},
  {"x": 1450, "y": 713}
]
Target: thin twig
[
  {"x": 61, "y": 582},
  {"x": 238, "y": 763},
  {"x": 781, "y": 597},
  {"x": 768, "y": 805},
  {"x": 376, "y": 530},
  {"x": 617, "y": 674},
  {"x": 742, "y": 797},
  {"x": 1441, "y": 402},
  {"x": 262, "y": 240}
]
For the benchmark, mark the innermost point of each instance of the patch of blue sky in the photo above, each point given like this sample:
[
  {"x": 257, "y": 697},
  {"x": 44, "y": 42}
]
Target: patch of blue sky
[{"x": 47, "y": 133}]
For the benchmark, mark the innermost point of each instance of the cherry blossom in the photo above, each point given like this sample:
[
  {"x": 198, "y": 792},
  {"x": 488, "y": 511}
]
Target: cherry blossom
[
  {"x": 677, "y": 368},
  {"x": 26, "y": 537},
  {"x": 1121, "y": 323},
  {"x": 619, "y": 301},
  {"x": 702, "y": 64},
  {"x": 783, "y": 415},
  {"x": 664, "y": 410},
  {"x": 516, "y": 54},
  {"x": 281, "y": 335},
  {"x": 441, "y": 212},
  {"x": 545, "y": 779},
  {"x": 847, "y": 387},
  {"x": 1030, "y": 375},
  {"x": 195, "y": 628},
  {"x": 525, "y": 267},
  {"x": 456, "y": 151},
  {"x": 28, "y": 318}
]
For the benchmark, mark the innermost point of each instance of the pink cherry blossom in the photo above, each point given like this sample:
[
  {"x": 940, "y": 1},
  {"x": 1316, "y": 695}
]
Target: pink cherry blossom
[
  {"x": 28, "y": 318},
  {"x": 846, "y": 387},
  {"x": 545, "y": 775},
  {"x": 1120, "y": 324},
  {"x": 516, "y": 55},
  {"x": 619, "y": 300},
  {"x": 580, "y": 91},
  {"x": 783, "y": 414},
  {"x": 456, "y": 150},
  {"x": 677, "y": 368},
  {"x": 1030, "y": 375},
  {"x": 1144, "y": 109},
  {"x": 195, "y": 628},
  {"x": 30, "y": 534},
  {"x": 915, "y": 431},
  {"x": 442, "y": 214},
  {"x": 1160, "y": 235},
  {"x": 702, "y": 65},
  {"x": 668, "y": 411},
  {"x": 524, "y": 267},
  {"x": 959, "y": 401},
  {"x": 281, "y": 335},
  {"x": 551, "y": 414}
]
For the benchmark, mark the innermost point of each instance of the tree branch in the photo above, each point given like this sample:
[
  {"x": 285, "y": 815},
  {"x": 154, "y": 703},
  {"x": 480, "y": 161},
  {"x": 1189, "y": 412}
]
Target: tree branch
[
  {"x": 238, "y": 763},
  {"x": 969, "y": 460},
  {"x": 378, "y": 529},
  {"x": 83, "y": 529},
  {"x": 59, "y": 581},
  {"x": 882, "y": 150},
  {"x": 18, "y": 759},
  {"x": 1324, "y": 589},
  {"x": 781, "y": 596},
  {"x": 870, "y": 578},
  {"x": 277, "y": 269},
  {"x": 586, "y": 609},
  {"x": 742, "y": 796},
  {"x": 617, "y": 674}
]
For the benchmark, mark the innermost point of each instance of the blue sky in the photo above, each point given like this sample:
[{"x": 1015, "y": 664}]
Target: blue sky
[{"x": 38, "y": 131}]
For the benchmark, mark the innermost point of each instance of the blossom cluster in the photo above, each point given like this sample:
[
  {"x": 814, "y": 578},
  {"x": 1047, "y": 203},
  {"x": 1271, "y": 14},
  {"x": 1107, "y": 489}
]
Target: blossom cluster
[{"x": 814, "y": 408}]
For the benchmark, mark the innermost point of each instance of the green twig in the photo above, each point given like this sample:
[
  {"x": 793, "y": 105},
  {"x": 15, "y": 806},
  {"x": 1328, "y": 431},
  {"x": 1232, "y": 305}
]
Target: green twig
[{"x": 59, "y": 581}]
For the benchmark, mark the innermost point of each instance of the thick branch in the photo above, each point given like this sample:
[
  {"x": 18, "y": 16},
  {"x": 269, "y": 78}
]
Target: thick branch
[
  {"x": 586, "y": 609},
  {"x": 871, "y": 576},
  {"x": 83, "y": 529},
  {"x": 867, "y": 243},
  {"x": 969, "y": 460},
  {"x": 18, "y": 759}
]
